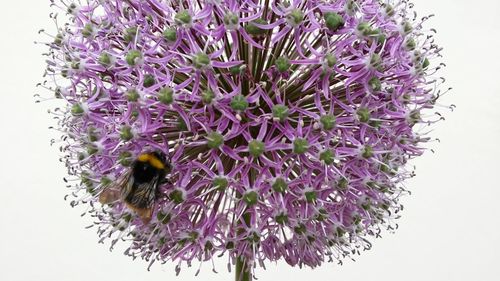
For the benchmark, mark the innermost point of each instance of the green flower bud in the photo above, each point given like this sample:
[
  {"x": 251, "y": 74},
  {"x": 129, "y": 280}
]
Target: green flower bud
[
  {"x": 376, "y": 61},
  {"x": 208, "y": 246},
  {"x": 75, "y": 65},
  {"x": 221, "y": 183},
  {"x": 256, "y": 148},
  {"x": 92, "y": 149},
  {"x": 426, "y": 63},
  {"x": 310, "y": 196},
  {"x": 163, "y": 218},
  {"x": 375, "y": 123},
  {"x": 295, "y": 17},
  {"x": 59, "y": 39},
  {"x": 351, "y": 7},
  {"x": 415, "y": 117},
  {"x": 207, "y": 96},
  {"x": 201, "y": 60},
  {"x": 105, "y": 181},
  {"x": 177, "y": 196},
  {"x": 363, "y": 115},
  {"x": 280, "y": 112},
  {"x": 236, "y": 70},
  {"x": 365, "y": 29},
  {"x": 229, "y": 245},
  {"x": 410, "y": 44},
  {"x": 342, "y": 184},
  {"x": 92, "y": 134},
  {"x": 300, "y": 229},
  {"x": 282, "y": 64},
  {"x": 183, "y": 18},
  {"x": 105, "y": 59},
  {"x": 133, "y": 57},
  {"x": 327, "y": 156},
  {"x": 239, "y": 103},
  {"x": 181, "y": 124},
  {"x": 214, "y": 140},
  {"x": 166, "y": 95},
  {"x": 149, "y": 80},
  {"x": 322, "y": 215},
  {"x": 333, "y": 21},
  {"x": 327, "y": 122},
  {"x": 130, "y": 34},
  {"x": 367, "y": 152},
  {"x": 86, "y": 180},
  {"x": 231, "y": 20},
  {"x": 330, "y": 60},
  {"x": 407, "y": 28},
  {"x": 132, "y": 95},
  {"x": 125, "y": 158},
  {"x": 77, "y": 109},
  {"x": 281, "y": 218},
  {"x": 126, "y": 133},
  {"x": 389, "y": 10},
  {"x": 88, "y": 30},
  {"x": 366, "y": 205},
  {"x": 300, "y": 145},
  {"x": 252, "y": 29},
  {"x": 375, "y": 84},
  {"x": 380, "y": 35},
  {"x": 253, "y": 237},
  {"x": 250, "y": 198},
  {"x": 170, "y": 34},
  {"x": 279, "y": 185}
]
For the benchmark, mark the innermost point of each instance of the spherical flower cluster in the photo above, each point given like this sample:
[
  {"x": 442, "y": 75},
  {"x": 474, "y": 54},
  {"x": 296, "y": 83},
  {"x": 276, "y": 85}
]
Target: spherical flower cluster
[{"x": 288, "y": 124}]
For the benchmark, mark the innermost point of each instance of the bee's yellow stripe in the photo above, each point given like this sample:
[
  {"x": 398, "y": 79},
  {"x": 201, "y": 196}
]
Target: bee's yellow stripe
[{"x": 155, "y": 162}]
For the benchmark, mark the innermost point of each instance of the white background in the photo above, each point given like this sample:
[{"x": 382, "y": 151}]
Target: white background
[{"x": 451, "y": 224}]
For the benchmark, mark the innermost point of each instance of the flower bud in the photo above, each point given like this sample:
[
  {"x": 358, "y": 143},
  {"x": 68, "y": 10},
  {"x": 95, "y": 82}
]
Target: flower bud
[
  {"x": 133, "y": 57},
  {"x": 214, "y": 140},
  {"x": 170, "y": 34},
  {"x": 280, "y": 112},
  {"x": 327, "y": 122},
  {"x": 279, "y": 185},
  {"x": 166, "y": 95},
  {"x": 300, "y": 145},
  {"x": 239, "y": 103},
  {"x": 183, "y": 18},
  {"x": 250, "y": 198},
  {"x": 256, "y": 148},
  {"x": 333, "y": 21},
  {"x": 282, "y": 64}
]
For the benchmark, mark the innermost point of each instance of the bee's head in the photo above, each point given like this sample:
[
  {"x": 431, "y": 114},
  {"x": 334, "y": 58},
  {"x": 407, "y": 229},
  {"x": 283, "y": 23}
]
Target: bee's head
[
  {"x": 160, "y": 155},
  {"x": 163, "y": 158}
]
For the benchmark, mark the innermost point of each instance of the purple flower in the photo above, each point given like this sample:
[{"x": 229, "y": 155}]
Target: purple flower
[{"x": 289, "y": 124}]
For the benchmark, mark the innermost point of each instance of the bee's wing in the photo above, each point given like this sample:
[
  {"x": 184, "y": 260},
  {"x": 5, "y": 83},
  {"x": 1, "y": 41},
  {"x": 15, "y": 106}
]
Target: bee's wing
[
  {"x": 143, "y": 197},
  {"x": 113, "y": 192}
]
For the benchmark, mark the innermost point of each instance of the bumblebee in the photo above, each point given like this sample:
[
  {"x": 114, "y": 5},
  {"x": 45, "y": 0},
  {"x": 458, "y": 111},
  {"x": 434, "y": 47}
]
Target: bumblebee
[{"x": 138, "y": 187}]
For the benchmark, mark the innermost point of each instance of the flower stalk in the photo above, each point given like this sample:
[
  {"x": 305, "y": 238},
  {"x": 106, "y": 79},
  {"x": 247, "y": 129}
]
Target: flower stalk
[{"x": 242, "y": 273}]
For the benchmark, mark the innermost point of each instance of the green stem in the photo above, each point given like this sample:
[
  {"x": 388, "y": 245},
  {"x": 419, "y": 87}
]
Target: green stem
[{"x": 242, "y": 273}]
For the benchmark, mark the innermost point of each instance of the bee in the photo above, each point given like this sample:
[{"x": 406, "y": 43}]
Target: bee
[{"x": 138, "y": 187}]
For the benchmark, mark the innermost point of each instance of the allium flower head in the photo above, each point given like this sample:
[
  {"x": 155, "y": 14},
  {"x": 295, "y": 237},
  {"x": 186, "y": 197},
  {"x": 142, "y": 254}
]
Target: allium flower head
[{"x": 288, "y": 124}]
